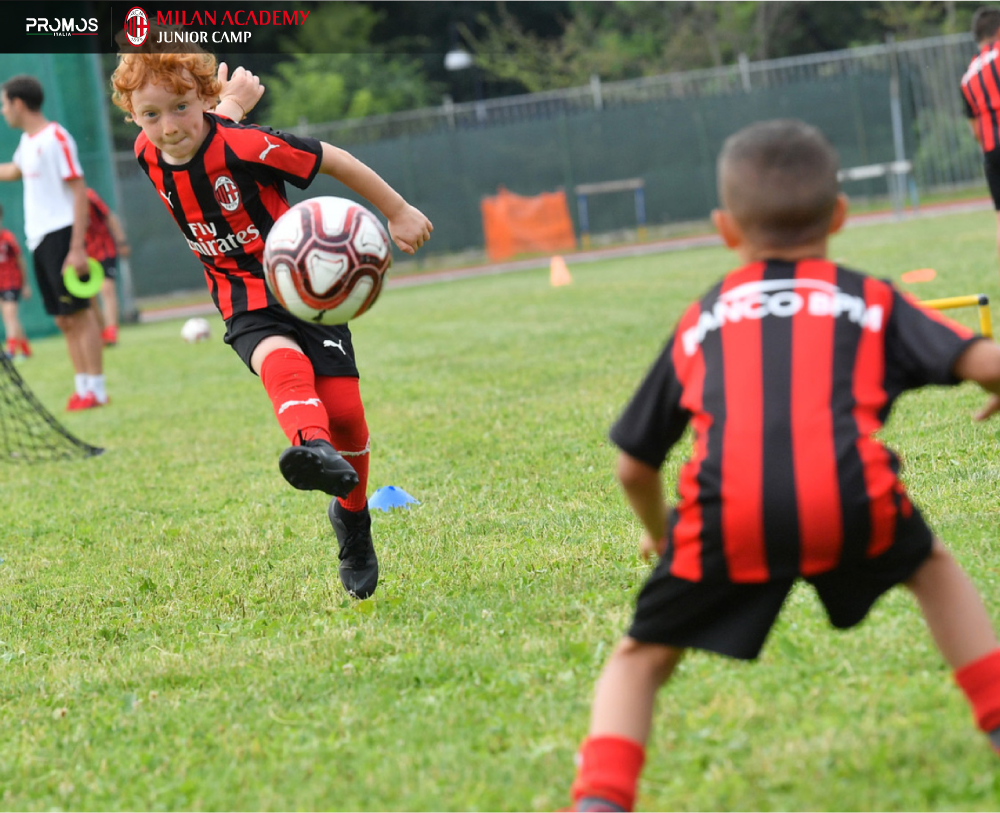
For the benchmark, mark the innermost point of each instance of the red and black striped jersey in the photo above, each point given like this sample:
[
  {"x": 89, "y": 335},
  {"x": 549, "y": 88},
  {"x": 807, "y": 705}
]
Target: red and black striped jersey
[
  {"x": 11, "y": 278},
  {"x": 227, "y": 198},
  {"x": 100, "y": 242},
  {"x": 981, "y": 94},
  {"x": 785, "y": 372}
]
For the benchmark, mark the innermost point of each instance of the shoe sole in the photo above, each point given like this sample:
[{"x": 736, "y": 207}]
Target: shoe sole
[{"x": 304, "y": 471}]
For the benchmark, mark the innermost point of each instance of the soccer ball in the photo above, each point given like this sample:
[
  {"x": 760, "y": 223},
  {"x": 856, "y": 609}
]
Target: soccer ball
[
  {"x": 325, "y": 260},
  {"x": 195, "y": 330}
]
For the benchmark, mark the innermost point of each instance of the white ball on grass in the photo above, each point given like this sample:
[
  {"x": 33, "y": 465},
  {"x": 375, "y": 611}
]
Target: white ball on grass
[{"x": 196, "y": 330}]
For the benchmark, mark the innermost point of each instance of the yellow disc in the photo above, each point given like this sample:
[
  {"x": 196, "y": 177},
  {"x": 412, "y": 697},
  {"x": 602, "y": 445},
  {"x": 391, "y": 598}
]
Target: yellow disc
[{"x": 85, "y": 289}]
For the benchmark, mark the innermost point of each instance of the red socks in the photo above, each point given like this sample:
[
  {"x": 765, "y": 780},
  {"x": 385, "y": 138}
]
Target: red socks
[
  {"x": 609, "y": 769},
  {"x": 330, "y": 408},
  {"x": 349, "y": 431},
  {"x": 288, "y": 377},
  {"x": 980, "y": 680}
]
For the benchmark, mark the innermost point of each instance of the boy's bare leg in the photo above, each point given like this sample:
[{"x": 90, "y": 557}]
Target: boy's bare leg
[
  {"x": 961, "y": 628},
  {"x": 95, "y": 306},
  {"x": 85, "y": 329},
  {"x": 11, "y": 323},
  {"x": 998, "y": 231},
  {"x": 626, "y": 689},
  {"x": 612, "y": 756},
  {"x": 955, "y": 614},
  {"x": 109, "y": 299}
]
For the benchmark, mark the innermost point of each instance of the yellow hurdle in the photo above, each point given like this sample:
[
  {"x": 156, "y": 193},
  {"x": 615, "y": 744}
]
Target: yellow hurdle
[{"x": 981, "y": 301}]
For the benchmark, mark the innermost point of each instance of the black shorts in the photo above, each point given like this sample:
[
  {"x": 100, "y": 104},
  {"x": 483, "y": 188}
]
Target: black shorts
[
  {"x": 110, "y": 266},
  {"x": 328, "y": 347},
  {"x": 991, "y": 163},
  {"x": 49, "y": 257},
  {"x": 735, "y": 619},
  {"x": 10, "y": 295}
]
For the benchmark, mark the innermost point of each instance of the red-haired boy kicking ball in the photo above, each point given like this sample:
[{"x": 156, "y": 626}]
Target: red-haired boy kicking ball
[{"x": 308, "y": 370}]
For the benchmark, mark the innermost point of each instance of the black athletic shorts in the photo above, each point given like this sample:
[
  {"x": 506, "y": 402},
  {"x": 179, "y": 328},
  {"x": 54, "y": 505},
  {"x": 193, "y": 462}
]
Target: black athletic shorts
[
  {"x": 991, "y": 163},
  {"x": 735, "y": 619},
  {"x": 328, "y": 347},
  {"x": 10, "y": 295},
  {"x": 49, "y": 257},
  {"x": 110, "y": 266}
]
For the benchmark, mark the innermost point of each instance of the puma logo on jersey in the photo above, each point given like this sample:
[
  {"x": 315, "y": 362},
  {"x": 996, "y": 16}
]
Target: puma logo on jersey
[
  {"x": 290, "y": 404},
  {"x": 166, "y": 197},
  {"x": 339, "y": 345},
  {"x": 269, "y": 147}
]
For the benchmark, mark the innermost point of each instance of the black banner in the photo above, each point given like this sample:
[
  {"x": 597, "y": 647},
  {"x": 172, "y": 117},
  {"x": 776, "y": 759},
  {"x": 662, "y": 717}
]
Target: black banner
[{"x": 61, "y": 26}]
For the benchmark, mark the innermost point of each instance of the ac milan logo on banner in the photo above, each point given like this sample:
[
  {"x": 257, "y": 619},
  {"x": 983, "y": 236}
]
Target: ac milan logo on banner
[
  {"x": 137, "y": 26},
  {"x": 227, "y": 193}
]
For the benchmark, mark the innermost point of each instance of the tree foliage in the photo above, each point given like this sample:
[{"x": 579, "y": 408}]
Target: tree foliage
[
  {"x": 335, "y": 71},
  {"x": 623, "y": 40}
]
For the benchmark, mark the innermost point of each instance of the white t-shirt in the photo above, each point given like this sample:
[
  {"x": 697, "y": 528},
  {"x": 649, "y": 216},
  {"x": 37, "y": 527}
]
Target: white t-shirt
[{"x": 47, "y": 160}]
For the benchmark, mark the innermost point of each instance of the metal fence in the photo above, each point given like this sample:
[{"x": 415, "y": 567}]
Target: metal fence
[
  {"x": 927, "y": 72},
  {"x": 878, "y": 104}
]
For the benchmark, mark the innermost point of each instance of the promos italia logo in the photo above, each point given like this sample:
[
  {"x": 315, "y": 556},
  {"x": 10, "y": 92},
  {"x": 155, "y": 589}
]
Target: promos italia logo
[
  {"x": 61, "y": 26},
  {"x": 136, "y": 26}
]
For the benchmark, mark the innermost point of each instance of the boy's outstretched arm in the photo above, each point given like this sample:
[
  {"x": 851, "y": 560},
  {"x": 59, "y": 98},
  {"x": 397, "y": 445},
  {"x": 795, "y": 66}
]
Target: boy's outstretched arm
[
  {"x": 408, "y": 226},
  {"x": 10, "y": 172},
  {"x": 980, "y": 362},
  {"x": 644, "y": 488}
]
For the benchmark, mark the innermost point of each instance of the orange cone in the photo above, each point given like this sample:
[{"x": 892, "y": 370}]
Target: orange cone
[
  {"x": 558, "y": 272},
  {"x": 919, "y": 275}
]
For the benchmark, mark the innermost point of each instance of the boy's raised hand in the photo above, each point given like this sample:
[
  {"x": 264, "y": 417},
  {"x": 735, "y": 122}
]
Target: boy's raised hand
[
  {"x": 410, "y": 229},
  {"x": 244, "y": 88}
]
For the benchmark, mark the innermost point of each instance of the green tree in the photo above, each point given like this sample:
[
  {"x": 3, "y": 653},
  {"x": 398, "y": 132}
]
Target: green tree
[
  {"x": 622, "y": 40},
  {"x": 334, "y": 71}
]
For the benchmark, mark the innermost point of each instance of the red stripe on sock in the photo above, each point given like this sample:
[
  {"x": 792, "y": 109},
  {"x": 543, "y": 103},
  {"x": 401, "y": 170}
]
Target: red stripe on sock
[
  {"x": 980, "y": 680},
  {"x": 609, "y": 770},
  {"x": 349, "y": 431},
  {"x": 288, "y": 377}
]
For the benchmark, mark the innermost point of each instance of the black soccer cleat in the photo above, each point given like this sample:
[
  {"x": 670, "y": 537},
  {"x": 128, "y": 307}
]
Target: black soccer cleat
[
  {"x": 316, "y": 466},
  {"x": 358, "y": 562}
]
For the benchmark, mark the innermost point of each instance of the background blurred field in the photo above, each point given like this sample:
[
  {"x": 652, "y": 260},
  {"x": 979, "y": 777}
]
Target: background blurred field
[{"x": 173, "y": 634}]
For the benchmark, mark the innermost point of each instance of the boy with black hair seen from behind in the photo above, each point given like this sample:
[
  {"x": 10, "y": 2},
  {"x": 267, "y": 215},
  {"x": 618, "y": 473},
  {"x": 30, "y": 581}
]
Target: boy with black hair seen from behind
[{"x": 785, "y": 370}]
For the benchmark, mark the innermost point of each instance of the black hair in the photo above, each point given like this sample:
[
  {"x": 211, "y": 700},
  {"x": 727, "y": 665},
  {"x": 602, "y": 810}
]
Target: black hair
[
  {"x": 985, "y": 23},
  {"x": 779, "y": 181},
  {"x": 26, "y": 88}
]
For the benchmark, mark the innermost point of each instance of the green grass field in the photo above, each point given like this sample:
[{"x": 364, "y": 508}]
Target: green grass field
[{"x": 173, "y": 634}]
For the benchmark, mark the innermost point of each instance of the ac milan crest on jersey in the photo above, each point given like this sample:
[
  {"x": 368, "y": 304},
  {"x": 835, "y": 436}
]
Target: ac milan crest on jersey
[{"x": 227, "y": 193}]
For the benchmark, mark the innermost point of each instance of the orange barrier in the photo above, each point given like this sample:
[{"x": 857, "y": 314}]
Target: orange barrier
[{"x": 517, "y": 225}]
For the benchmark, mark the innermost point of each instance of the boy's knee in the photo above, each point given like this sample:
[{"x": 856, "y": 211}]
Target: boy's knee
[
  {"x": 657, "y": 659},
  {"x": 939, "y": 555}
]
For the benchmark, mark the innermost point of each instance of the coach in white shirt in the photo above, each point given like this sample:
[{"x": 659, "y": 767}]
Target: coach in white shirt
[{"x": 55, "y": 226}]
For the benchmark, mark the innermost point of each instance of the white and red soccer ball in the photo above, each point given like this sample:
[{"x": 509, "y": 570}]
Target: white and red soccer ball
[
  {"x": 195, "y": 330},
  {"x": 325, "y": 260}
]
